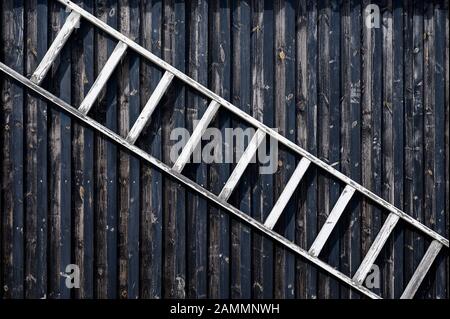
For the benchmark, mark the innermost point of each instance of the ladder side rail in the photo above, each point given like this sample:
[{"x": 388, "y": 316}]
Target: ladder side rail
[
  {"x": 251, "y": 120},
  {"x": 184, "y": 180}
]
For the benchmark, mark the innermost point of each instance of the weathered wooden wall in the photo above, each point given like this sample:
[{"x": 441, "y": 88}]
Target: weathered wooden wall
[{"x": 374, "y": 103}]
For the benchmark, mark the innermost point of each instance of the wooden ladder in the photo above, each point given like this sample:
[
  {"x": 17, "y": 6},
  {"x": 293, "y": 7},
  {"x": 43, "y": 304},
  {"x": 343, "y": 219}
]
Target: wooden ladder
[{"x": 221, "y": 200}]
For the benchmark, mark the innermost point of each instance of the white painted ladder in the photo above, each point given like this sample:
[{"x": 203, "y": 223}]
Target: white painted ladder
[{"x": 307, "y": 159}]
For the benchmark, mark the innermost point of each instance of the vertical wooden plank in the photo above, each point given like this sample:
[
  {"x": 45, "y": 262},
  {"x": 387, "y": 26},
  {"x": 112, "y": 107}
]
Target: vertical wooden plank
[
  {"x": 284, "y": 286},
  {"x": 60, "y": 168},
  {"x": 311, "y": 114},
  {"x": 285, "y": 122},
  {"x": 408, "y": 91},
  {"x": 334, "y": 131},
  {"x": 36, "y": 159},
  {"x": 151, "y": 218},
  {"x": 12, "y": 144},
  {"x": 219, "y": 223},
  {"x": 447, "y": 135},
  {"x": 173, "y": 117},
  {"x": 301, "y": 97},
  {"x": 128, "y": 88},
  {"x": 323, "y": 124},
  {"x": 197, "y": 207},
  {"x": 387, "y": 136},
  {"x": 106, "y": 164},
  {"x": 351, "y": 133},
  {"x": 441, "y": 121},
  {"x": 83, "y": 161},
  {"x": 377, "y": 131},
  {"x": 371, "y": 128},
  {"x": 263, "y": 109},
  {"x": 418, "y": 128},
  {"x": 429, "y": 139},
  {"x": 241, "y": 97},
  {"x": 398, "y": 112}
]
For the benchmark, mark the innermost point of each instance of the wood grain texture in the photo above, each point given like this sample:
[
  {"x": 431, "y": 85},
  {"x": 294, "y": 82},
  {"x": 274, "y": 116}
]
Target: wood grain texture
[
  {"x": 36, "y": 206},
  {"x": 262, "y": 108},
  {"x": 83, "y": 161},
  {"x": 370, "y": 103},
  {"x": 13, "y": 155},
  {"x": 105, "y": 110},
  {"x": 197, "y": 109},
  {"x": 174, "y": 197},
  {"x": 151, "y": 215}
]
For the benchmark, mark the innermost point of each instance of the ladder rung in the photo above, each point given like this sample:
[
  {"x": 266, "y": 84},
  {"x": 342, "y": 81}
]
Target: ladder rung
[
  {"x": 290, "y": 188},
  {"x": 331, "y": 221},
  {"x": 422, "y": 269},
  {"x": 63, "y": 35},
  {"x": 196, "y": 136},
  {"x": 249, "y": 152},
  {"x": 103, "y": 77},
  {"x": 376, "y": 247},
  {"x": 149, "y": 107}
]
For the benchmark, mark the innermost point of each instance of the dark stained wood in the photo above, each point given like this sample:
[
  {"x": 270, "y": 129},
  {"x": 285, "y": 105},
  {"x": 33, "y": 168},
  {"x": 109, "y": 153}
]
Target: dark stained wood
[
  {"x": 219, "y": 222},
  {"x": 418, "y": 113},
  {"x": 241, "y": 96},
  {"x": 351, "y": 132},
  {"x": 83, "y": 161},
  {"x": 429, "y": 139},
  {"x": 371, "y": 102},
  {"x": 442, "y": 141},
  {"x": 173, "y": 44},
  {"x": 367, "y": 130},
  {"x": 197, "y": 219},
  {"x": 284, "y": 91},
  {"x": 398, "y": 113},
  {"x": 408, "y": 89},
  {"x": 323, "y": 124},
  {"x": 129, "y": 107},
  {"x": 13, "y": 156},
  {"x": 301, "y": 96},
  {"x": 262, "y": 63},
  {"x": 36, "y": 159},
  {"x": 59, "y": 217},
  {"x": 151, "y": 218},
  {"x": 106, "y": 164},
  {"x": 387, "y": 142}
]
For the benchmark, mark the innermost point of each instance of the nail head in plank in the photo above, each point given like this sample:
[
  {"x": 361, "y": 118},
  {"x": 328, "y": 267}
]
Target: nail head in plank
[
  {"x": 245, "y": 159},
  {"x": 196, "y": 136},
  {"x": 290, "y": 188},
  {"x": 331, "y": 221},
  {"x": 184, "y": 180},
  {"x": 422, "y": 269},
  {"x": 103, "y": 77},
  {"x": 375, "y": 248},
  {"x": 63, "y": 35},
  {"x": 251, "y": 120},
  {"x": 149, "y": 107}
]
